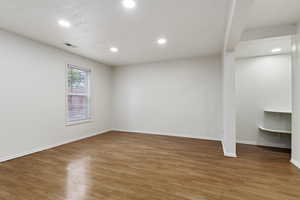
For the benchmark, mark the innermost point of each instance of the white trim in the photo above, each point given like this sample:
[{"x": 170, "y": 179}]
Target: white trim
[
  {"x": 73, "y": 123},
  {"x": 167, "y": 134},
  {"x": 265, "y": 145},
  {"x": 87, "y": 69},
  {"x": 295, "y": 162},
  {"x": 228, "y": 154},
  {"x": 231, "y": 155},
  {"x": 88, "y": 94},
  {"x": 200, "y": 137},
  {"x": 79, "y": 94},
  {"x": 38, "y": 149}
]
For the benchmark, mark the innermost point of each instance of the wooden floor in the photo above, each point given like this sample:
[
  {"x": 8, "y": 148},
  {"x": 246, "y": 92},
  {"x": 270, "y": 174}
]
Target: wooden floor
[{"x": 126, "y": 166}]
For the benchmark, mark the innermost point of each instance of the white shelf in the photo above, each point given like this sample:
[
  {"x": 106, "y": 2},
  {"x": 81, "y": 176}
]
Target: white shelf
[
  {"x": 274, "y": 131},
  {"x": 278, "y": 111}
]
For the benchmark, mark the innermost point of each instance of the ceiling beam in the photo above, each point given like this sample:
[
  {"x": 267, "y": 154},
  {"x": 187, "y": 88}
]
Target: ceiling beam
[{"x": 239, "y": 11}]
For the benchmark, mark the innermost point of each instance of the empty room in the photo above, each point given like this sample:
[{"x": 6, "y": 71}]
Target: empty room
[{"x": 150, "y": 100}]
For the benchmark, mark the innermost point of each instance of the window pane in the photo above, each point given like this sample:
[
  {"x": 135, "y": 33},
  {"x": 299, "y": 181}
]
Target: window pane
[
  {"x": 77, "y": 80},
  {"x": 78, "y": 94},
  {"x": 78, "y": 107}
]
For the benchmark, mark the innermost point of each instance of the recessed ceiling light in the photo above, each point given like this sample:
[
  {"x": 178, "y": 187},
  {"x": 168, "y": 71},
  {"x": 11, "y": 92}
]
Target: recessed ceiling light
[
  {"x": 162, "y": 41},
  {"x": 129, "y": 4},
  {"x": 114, "y": 49},
  {"x": 64, "y": 23},
  {"x": 276, "y": 50}
]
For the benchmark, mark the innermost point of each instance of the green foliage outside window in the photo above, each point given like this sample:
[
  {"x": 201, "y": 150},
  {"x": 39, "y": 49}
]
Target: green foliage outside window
[{"x": 76, "y": 78}]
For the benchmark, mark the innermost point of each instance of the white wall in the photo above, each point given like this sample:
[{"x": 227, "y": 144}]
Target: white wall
[
  {"x": 262, "y": 82},
  {"x": 296, "y": 104},
  {"x": 32, "y": 106},
  {"x": 180, "y": 98},
  {"x": 229, "y": 104}
]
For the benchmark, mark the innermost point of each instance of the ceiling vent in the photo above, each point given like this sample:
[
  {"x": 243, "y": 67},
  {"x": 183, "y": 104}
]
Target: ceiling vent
[{"x": 70, "y": 45}]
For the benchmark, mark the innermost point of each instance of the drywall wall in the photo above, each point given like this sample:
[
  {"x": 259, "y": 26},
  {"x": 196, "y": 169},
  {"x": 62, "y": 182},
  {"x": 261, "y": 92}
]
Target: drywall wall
[
  {"x": 229, "y": 105},
  {"x": 262, "y": 82},
  {"x": 32, "y": 103},
  {"x": 238, "y": 15},
  {"x": 296, "y": 102},
  {"x": 179, "y": 98}
]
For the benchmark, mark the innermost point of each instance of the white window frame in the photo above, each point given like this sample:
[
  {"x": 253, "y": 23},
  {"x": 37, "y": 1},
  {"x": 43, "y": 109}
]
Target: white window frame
[{"x": 88, "y": 95}]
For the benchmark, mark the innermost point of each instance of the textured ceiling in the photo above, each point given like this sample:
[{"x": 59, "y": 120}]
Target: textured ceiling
[
  {"x": 192, "y": 27},
  {"x": 274, "y": 12}
]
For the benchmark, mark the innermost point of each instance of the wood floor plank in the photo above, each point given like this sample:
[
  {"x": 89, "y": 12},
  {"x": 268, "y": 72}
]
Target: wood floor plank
[{"x": 128, "y": 166}]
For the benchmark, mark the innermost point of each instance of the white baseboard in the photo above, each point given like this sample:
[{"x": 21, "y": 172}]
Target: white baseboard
[
  {"x": 266, "y": 145},
  {"x": 296, "y": 163},
  {"x": 38, "y": 149},
  {"x": 167, "y": 134},
  {"x": 231, "y": 155},
  {"x": 228, "y": 154}
]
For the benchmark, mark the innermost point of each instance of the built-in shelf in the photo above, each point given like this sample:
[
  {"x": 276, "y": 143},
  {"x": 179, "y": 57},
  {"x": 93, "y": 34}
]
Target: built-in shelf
[
  {"x": 274, "y": 131},
  {"x": 280, "y": 111},
  {"x": 278, "y": 121}
]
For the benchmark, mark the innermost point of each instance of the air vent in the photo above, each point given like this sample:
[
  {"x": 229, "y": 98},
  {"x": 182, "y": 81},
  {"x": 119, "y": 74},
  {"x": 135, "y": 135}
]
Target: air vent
[{"x": 70, "y": 45}]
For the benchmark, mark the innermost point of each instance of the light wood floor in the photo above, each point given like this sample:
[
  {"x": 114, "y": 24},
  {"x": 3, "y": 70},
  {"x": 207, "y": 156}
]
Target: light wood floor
[{"x": 126, "y": 166}]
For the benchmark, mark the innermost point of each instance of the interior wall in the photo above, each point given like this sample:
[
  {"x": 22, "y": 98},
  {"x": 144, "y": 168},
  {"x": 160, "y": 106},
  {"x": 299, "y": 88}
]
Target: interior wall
[
  {"x": 229, "y": 104},
  {"x": 178, "y": 98},
  {"x": 262, "y": 82},
  {"x": 296, "y": 103},
  {"x": 32, "y": 104}
]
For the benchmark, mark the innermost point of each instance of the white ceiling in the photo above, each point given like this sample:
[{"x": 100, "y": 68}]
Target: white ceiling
[
  {"x": 263, "y": 47},
  {"x": 192, "y": 27},
  {"x": 274, "y": 12}
]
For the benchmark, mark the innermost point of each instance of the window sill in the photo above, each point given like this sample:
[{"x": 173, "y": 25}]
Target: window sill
[{"x": 78, "y": 122}]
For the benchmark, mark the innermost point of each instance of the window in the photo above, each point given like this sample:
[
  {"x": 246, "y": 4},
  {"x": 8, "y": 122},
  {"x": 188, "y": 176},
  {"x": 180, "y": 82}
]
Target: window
[{"x": 78, "y": 94}]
